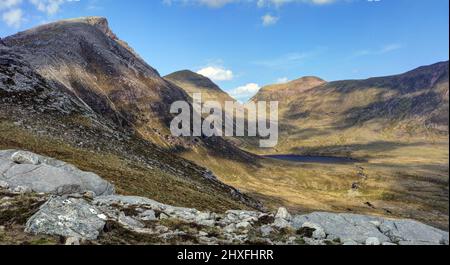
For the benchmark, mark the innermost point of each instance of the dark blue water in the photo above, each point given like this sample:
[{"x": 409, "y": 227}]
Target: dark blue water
[{"x": 313, "y": 159}]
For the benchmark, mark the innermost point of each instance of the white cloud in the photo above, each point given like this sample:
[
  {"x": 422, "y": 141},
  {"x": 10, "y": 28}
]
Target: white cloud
[
  {"x": 216, "y": 73},
  {"x": 268, "y": 20},
  {"x": 243, "y": 93},
  {"x": 5, "y": 4},
  {"x": 282, "y": 80},
  {"x": 50, "y": 7},
  {"x": 13, "y": 17}
]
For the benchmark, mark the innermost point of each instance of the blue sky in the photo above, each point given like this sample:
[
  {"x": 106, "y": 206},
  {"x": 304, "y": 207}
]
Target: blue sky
[{"x": 246, "y": 44}]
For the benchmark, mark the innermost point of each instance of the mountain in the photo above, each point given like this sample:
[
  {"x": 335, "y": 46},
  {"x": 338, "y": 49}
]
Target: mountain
[
  {"x": 103, "y": 71},
  {"x": 74, "y": 91},
  {"x": 192, "y": 83},
  {"x": 343, "y": 112}
]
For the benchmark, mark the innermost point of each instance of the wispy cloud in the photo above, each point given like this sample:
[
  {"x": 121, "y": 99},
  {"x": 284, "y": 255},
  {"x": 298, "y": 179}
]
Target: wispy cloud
[
  {"x": 269, "y": 20},
  {"x": 13, "y": 13},
  {"x": 5, "y": 4},
  {"x": 50, "y": 7},
  {"x": 13, "y": 17},
  {"x": 282, "y": 80},
  {"x": 289, "y": 60},
  {"x": 382, "y": 50}
]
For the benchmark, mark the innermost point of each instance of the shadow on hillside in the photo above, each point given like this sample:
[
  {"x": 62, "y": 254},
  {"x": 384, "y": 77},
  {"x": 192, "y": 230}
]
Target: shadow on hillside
[
  {"x": 394, "y": 109},
  {"x": 372, "y": 147}
]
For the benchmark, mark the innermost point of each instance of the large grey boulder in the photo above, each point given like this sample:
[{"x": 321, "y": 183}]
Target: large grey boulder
[
  {"x": 68, "y": 218},
  {"x": 346, "y": 227},
  {"x": 363, "y": 229},
  {"x": 46, "y": 175},
  {"x": 413, "y": 232}
]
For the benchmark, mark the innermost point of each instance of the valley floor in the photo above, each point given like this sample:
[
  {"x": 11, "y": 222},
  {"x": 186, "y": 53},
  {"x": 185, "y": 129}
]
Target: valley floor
[{"x": 406, "y": 180}]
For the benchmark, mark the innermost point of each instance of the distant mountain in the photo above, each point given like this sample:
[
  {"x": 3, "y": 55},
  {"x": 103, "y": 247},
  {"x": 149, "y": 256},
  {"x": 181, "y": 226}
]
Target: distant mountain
[
  {"x": 402, "y": 106},
  {"x": 192, "y": 83},
  {"x": 284, "y": 92}
]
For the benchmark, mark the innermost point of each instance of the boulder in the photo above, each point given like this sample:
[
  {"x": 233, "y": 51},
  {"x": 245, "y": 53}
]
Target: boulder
[
  {"x": 67, "y": 218},
  {"x": 364, "y": 229},
  {"x": 46, "y": 175},
  {"x": 283, "y": 214},
  {"x": 346, "y": 227},
  {"x": 413, "y": 231}
]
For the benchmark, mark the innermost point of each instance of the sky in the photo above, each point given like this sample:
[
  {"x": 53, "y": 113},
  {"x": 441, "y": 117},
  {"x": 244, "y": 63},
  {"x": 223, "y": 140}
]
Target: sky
[{"x": 243, "y": 45}]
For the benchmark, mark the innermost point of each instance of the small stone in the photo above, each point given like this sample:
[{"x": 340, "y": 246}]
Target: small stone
[
  {"x": 129, "y": 221},
  {"x": 102, "y": 216},
  {"x": 373, "y": 241},
  {"x": 4, "y": 185},
  {"x": 89, "y": 195},
  {"x": 283, "y": 214},
  {"x": 148, "y": 215},
  {"x": 203, "y": 234},
  {"x": 163, "y": 216},
  {"x": 209, "y": 223},
  {"x": 266, "y": 230},
  {"x": 22, "y": 190},
  {"x": 243, "y": 225},
  {"x": 229, "y": 229},
  {"x": 72, "y": 241}
]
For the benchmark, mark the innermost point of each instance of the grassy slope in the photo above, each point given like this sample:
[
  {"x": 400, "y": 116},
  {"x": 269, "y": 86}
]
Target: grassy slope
[{"x": 130, "y": 177}]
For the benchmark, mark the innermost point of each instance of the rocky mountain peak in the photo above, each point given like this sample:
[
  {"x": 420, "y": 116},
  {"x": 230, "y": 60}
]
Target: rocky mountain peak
[{"x": 99, "y": 22}]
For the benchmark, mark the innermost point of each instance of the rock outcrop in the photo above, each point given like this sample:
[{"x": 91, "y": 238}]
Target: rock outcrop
[
  {"x": 68, "y": 218},
  {"x": 22, "y": 170}
]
